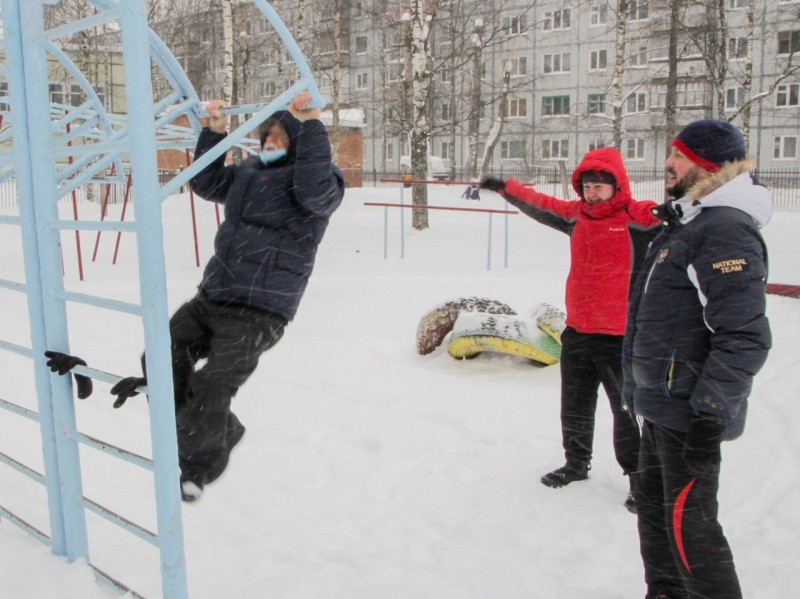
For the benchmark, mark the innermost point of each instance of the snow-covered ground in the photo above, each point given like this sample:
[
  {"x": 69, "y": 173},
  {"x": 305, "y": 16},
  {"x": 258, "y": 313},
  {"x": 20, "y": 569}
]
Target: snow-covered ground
[{"x": 369, "y": 471}]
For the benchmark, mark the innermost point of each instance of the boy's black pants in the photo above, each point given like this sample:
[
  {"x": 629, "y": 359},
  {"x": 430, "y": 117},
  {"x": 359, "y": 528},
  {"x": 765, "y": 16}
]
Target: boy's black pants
[
  {"x": 587, "y": 361},
  {"x": 231, "y": 339}
]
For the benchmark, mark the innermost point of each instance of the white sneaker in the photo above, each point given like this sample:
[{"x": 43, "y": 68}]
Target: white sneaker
[{"x": 190, "y": 491}]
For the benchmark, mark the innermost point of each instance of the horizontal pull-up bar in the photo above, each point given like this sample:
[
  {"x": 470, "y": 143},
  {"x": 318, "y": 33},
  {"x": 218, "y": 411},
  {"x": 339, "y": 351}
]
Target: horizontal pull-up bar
[
  {"x": 453, "y": 208},
  {"x": 488, "y": 211}
]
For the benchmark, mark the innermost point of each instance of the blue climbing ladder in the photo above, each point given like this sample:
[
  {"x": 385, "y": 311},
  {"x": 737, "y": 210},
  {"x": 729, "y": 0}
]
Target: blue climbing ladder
[{"x": 35, "y": 136}]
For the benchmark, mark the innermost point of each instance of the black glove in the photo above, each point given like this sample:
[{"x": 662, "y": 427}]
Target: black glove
[
  {"x": 493, "y": 184},
  {"x": 63, "y": 363},
  {"x": 702, "y": 443},
  {"x": 126, "y": 388}
]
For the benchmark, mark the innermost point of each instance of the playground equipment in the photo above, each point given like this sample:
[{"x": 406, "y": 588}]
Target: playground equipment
[
  {"x": 403, "y": 206},
  {"x": 35, "y": 138}
]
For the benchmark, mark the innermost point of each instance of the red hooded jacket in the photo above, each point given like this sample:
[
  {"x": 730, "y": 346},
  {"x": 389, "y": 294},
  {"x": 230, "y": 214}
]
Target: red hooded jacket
[{"x": 607, "y": 241}]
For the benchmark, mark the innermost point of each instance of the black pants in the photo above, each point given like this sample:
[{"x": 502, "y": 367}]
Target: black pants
[
  {"x": 587, "y": 360},
  {"x": 231, "y": 339},
  {"x": 684, "y": 550}
]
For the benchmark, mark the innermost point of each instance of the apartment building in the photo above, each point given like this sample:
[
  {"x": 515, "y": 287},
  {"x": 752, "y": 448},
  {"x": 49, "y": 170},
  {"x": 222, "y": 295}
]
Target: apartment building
[{"x": 554, "y": 64}]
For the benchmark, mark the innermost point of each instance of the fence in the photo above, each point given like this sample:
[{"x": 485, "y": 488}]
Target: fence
[
  {"x": 647, "y": 183},
  {"x": 92, "y": 192}
]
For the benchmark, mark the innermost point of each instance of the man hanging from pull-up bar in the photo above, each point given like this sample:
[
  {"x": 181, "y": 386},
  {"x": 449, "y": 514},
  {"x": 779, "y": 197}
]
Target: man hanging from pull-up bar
[{"x": 277, "y": 207}]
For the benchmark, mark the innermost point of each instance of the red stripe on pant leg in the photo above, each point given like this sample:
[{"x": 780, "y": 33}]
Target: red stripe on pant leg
[{"x": 677, "y": 522}]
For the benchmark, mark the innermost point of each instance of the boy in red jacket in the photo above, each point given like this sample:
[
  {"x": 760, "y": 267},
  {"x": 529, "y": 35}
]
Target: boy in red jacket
[{"x": 608, "y": 233}]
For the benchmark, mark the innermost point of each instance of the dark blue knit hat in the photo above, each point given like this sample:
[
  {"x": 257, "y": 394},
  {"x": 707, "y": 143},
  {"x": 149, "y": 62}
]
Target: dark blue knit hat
[{"x": 710, "y": 143}]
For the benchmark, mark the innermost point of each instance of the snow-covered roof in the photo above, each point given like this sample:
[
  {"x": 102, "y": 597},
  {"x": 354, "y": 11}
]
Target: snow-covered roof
[{"x": 348, "y": 117}]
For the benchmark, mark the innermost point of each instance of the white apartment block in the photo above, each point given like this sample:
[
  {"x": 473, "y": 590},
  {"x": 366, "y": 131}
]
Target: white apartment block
[{"x": 560, "y": 58}]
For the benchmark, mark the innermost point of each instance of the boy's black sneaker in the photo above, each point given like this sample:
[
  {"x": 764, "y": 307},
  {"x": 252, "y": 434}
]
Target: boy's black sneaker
[{"x": 568, "y": 473}]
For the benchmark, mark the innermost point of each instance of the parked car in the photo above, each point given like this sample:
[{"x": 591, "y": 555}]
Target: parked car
[{"x": 437, "y": 167}]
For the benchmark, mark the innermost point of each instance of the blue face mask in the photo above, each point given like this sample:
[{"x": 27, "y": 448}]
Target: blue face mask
[{"x": 267, "y": 156}]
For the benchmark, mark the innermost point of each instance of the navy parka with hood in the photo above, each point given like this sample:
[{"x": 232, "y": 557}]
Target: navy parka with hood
[
  {"x": 697, "y": 331},
  {"x": 275, "y": 217}
]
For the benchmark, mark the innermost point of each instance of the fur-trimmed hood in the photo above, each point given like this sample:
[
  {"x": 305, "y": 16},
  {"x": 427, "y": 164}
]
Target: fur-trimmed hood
[{"x": 732, "y": 185}]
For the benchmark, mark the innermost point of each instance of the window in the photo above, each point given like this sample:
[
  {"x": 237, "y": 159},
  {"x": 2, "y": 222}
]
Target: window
[
  {"x": 785, "y": 147},
  {"x": 513, "y": 149},
  {"x": 390, "y": 150},
  {"x": 445, "y": 74},
  {"x": 636, "y": 102},
  {"x": 556, "y": 63},
  {"x": 557, "y": 19},
  {"x": 445, "y": 113},
  {"x": 737, "y": 47},
  {"x": 56, "y": 93},
  {"x": 788, "y": 95},
  {"x": 517, "y": 66},
  {"x": 447, "y": 150},
  {"x": 598, "y": 60},
  {"x": 555, "y": 105},
  {"x": 361, "y": 45},
  {"x": 517, "y": 107},
  {"x": 555, "y": 149},
  {"x": 515, "y": 25},
  {"x": 267, "y": 89},
  {"x": 596, "y": 104},
  {"x": 598, "y": 15},
  {"x": 263, "y": 26},
  {"x": 394, "y": 71},
  {"x": 634, "y": 149},
  {"x": 736, "y": 3},
  {"x": 788, "y": 42},
  {"x": 638, "y": 9},
  {"x": 594, "y": 144},
  {"x": 639, "y": 57},
  {"x": 689, "y": 94},
  {"x": 734, "y": 98},
  {"x": 75, "y": 94},
  {"x": 362, "y": 80}
]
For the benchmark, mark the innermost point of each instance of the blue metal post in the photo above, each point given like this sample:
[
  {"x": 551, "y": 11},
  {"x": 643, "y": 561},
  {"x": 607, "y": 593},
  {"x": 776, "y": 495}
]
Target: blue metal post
[
  {"x": 489, "y": 245},
  {"x": 402, "y": 224},
  {"x": 505, "y": 258},
  {"x": 47, "y": 310},
  {"x": 152, "y": 276},
  {"x": 385, "y": 232}
]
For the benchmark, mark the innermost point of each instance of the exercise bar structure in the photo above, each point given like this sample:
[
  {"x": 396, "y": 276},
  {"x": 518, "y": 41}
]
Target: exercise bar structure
[{"x": 50, "y": 150}]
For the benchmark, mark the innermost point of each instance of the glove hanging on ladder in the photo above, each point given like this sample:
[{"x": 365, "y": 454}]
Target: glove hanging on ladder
[
  {"x": 126, "y": 388},
  {"x": 63, "y": 363}
]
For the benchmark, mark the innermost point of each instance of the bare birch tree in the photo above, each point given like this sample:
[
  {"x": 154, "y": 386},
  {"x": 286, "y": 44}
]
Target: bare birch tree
[
  {"x": 421, "y": 75},
  {"x": 617, "y": 99}
]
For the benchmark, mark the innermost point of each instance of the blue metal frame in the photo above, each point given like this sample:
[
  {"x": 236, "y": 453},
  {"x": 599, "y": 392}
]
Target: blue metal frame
[{"x": 41, "y": 137}]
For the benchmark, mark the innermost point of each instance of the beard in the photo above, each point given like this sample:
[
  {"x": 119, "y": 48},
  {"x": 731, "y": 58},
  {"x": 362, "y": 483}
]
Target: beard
[{"x": 682, "y": 185}]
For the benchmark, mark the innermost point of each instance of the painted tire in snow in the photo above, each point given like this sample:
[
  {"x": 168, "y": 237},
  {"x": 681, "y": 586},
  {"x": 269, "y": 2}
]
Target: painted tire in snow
[
  {"x": 438, "y": 322},
  {"x": 474, "y": 333},
  {"x": 550, "y": 319}
]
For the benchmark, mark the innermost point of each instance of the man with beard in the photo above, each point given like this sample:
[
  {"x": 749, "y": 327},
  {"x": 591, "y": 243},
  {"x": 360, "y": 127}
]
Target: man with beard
[{"x": 696, "y": 336}]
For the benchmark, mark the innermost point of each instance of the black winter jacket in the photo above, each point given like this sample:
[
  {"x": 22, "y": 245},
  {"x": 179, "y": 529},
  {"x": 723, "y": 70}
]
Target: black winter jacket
[
  {"x": 275, "y": 217},
  {"x": 697, "y": 332}
]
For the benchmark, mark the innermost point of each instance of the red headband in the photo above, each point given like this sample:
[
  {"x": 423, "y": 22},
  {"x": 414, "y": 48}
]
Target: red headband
[{"x": 698, "y": 160}]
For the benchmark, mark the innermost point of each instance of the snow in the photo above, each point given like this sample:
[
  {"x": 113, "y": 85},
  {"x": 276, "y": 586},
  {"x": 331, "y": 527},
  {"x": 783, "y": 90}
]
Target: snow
[{"x": 369, "y": 471}]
